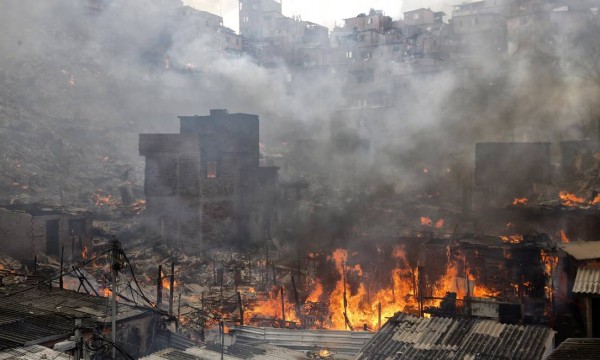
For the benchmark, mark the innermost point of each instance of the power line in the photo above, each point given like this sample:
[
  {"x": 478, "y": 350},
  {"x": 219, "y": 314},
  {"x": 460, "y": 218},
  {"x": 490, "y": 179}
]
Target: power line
[{"x": 50, "y": 280}]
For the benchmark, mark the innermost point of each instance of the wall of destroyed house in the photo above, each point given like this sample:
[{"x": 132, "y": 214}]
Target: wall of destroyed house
[
  {"x": 138, "y": 335},
  {"x": 27, "y": 235}
]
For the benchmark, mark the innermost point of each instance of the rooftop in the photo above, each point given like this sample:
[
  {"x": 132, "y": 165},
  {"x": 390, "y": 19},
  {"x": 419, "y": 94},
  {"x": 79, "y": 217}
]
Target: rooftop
[
  {"x": 31, "y": 315},
  {"x": 408, "y": 337},
  {"x": 583, "y": 250},
  {"x": 34, "y": 352},
  {"x": 577, "y": 349},
  {"x": 587, "y": 281},
  {"x": 44, "y": 209}
]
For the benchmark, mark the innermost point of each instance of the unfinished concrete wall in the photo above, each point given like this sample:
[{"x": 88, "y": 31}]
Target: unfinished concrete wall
[
  {"x": 24, "y": 235},
  {"x": 15, "y": 234}
]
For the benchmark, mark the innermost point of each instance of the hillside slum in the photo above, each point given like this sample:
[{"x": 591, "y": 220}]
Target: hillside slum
[{"x": 396, "y": 187}]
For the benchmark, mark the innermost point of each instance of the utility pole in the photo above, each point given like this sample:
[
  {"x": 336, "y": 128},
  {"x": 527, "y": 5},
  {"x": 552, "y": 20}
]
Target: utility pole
[
  {"x": 346, "y": 319},
  {"x": 77, "y": 352},
  {"x": 61, "y": 281},
  {"x": 116, "y": 266},
  {"x": 282, "y": 307},
  {"x": 172, "y": 288},
  {"x": 421, "y": 285},
  {"x": 241, "y": 306},
  {"x": 159, "y": 288}
]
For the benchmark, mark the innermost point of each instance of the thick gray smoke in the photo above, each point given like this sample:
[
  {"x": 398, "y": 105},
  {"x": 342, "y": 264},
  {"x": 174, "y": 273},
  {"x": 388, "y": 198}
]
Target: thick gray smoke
[{"x": 85, "y": 83}]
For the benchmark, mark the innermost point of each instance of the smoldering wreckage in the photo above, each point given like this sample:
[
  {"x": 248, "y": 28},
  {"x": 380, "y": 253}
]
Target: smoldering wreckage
[{"x": 242, "y": 242}]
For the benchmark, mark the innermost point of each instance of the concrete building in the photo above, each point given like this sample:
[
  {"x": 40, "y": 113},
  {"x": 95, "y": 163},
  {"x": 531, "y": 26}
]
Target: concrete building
[
  {"x": 200, "y": 25},
  {"x": 204, "y": 186},
  {"x": 29, "y": 230},
  {"x": 481, "y": 27}
]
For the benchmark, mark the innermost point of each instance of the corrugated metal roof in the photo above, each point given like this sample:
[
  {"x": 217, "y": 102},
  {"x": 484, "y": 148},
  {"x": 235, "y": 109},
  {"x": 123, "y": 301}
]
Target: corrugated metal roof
[
  {"x": 577, "y": 349},
  {"x": 342, "y": 342},
  {"x": 587, "y": 281},
  {"x": 260, "y": 352},
  {"x": 409, "y": 337},
  {"x": 583, "y": 250},
  {"x": 34, "y": 352},
  {"x": 39, "y": 315}
]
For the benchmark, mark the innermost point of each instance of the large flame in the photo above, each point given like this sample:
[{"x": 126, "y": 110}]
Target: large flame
[{"x": 355, "y": 301}]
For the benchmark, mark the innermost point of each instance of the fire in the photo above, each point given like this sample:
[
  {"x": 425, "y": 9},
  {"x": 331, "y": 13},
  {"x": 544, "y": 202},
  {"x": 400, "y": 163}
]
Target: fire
[
  {"x": 426, "y": 221},
  {"x": 513, "y": 239},
  {"x": 520, "y": 201},
  {"x": 439, "y": 224},
  {"x": 563, "y": 237},
  {"x": 569, "y": 199},
  {"x": 101, "y": 199},
  {"x": 316, "y": 294},
  {"x": 324, "y": 353},
  {"x": 166, "y": 282},
  {"x": 106, "y": 292},
  {"x": 355, "y": 301},
  {"x": 84, "y": 252},
  {"x": 138, "y": 207},
  {"x": 269, "y": 307},
  {"x": 454, "y": 280}
]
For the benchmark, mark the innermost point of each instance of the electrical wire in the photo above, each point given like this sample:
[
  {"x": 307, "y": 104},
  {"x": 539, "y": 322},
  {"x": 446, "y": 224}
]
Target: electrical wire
[{"x": 50, "y": 280}]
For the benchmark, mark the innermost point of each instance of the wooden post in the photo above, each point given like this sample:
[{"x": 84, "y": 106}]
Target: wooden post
[
  {"x": 297, "y": 301},
  {"x": 345, "y": 298},
  {"x": 172, "y": 288},
  {"x": 379, "y": 316},
  {"x": 267, "y": 267},
  {"x": 178, "y": 312},
  {"x": 282, "y": 307},
  {"x": 159, "y": 287},
  {"x": 60, "y": 281},
  {"x": 239, "y": 297},
  {"x": 421, "y": 280}
]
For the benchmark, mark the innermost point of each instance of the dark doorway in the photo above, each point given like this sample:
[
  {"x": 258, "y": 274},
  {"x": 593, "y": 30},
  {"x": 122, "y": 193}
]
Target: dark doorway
[
  {"x": 77, "y": 233},
  {"x": 52, "y": 238},
  {"x": 595, "y": 317}
]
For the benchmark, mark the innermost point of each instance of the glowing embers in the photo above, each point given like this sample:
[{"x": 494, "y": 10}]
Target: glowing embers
[
  {"x": 520, "y": 201},
  {"x": 427, "y": 221},
  {"x": 211, "y": 170}
]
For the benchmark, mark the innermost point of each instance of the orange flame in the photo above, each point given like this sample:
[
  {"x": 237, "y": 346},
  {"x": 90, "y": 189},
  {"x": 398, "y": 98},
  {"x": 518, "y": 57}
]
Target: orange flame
[
  {"x": 426, "y": 221},
  {"x": 520, "y": 201},
  {"x": 84, "y": 252},
  {"x": 569, "y": 199},
  {"x": 364, "y": 298},
  {"x": 138, "y": 207},
  {"x": 513, "y": 239},
  {"x": 563, "y": 237},
  {"x": 439, "y": 224},
  {"x": 102, "y": 199}
]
